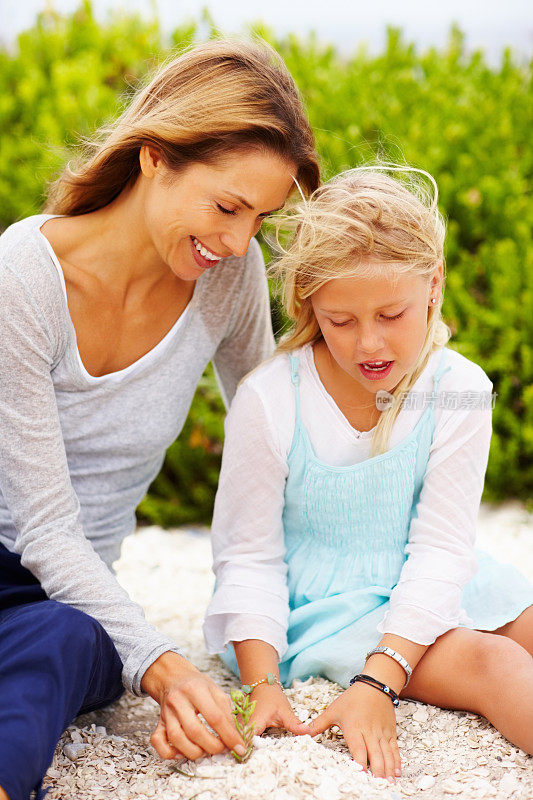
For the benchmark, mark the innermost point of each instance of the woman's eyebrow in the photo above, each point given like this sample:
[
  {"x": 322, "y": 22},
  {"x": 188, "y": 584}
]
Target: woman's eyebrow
[{"x": 247, "y": 204}]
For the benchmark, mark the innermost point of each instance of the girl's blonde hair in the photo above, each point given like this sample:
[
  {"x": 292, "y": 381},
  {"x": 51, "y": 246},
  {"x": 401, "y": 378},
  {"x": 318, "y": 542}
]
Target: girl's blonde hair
[
  {"x": 217, "y": 97},
  {"x": 361, "y": 222}
]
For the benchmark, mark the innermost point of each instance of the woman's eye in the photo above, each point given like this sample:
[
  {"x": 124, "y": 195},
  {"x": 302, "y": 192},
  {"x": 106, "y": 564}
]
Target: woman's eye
[
  {"x": 225, "y": 210},
  {"x": 397, "y": 316},
  {"x": 339, "y": 324}
]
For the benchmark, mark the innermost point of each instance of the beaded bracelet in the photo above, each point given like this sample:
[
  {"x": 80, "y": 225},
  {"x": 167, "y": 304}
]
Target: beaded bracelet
[
  {"x": 370, "y": 681},
  {"x": 388, "y": 651},
  {"x": 247, "y": 688}
]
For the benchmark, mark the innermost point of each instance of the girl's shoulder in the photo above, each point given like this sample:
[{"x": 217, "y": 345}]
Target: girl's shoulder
[{"x": 458, "y": 373}]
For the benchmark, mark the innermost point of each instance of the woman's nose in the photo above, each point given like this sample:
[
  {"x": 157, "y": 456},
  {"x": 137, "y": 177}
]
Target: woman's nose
[{"x": 237, "y": 238}]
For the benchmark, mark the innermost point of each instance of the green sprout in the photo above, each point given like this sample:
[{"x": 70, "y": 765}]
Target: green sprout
[{"x": 242, "y": 710}]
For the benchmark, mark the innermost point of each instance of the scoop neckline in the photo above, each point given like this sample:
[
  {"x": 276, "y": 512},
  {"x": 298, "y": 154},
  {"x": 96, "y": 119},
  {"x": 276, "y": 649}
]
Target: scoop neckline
[
  {"x": 348, "y": 429},
  {"x": 117, "y": 375},
  {"x": 404, "y": 443}
]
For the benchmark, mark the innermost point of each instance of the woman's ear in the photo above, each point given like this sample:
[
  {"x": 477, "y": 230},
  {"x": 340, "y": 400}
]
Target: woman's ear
[{"x": 150, "y": 160}]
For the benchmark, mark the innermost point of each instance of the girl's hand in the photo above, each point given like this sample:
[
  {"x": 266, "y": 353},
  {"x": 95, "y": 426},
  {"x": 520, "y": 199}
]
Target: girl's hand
[
  {"x": 273, "y": 710},
  {"x": 368, "y": 722},
  {"x": 183, "y": 692}
]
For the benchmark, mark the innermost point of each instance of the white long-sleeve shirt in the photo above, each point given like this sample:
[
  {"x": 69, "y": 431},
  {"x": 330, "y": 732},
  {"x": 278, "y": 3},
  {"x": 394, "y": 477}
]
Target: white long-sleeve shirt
[{"x": 251, "y": 598}]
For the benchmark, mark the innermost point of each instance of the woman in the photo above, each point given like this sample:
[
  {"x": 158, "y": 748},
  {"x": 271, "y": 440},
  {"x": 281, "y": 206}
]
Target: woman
[{"x": 112, "y": 305}]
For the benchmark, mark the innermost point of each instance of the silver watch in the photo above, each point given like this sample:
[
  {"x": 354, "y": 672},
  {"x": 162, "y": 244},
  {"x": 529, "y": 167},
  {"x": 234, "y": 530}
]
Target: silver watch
[{"x": 388, "y": 651}]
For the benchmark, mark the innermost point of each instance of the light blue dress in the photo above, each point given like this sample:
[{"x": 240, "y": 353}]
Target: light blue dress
[{"x": 346, "y": 529}]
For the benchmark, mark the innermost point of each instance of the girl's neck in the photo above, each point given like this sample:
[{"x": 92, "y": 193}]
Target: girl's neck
[{"x": 355, "y": 403}]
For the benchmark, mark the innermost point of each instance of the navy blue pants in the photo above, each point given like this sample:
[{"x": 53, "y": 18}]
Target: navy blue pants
[{"x": 55, "y": 663}]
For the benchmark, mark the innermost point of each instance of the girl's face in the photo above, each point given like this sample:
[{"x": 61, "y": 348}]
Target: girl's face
[
  {"x": 197, "y": 216},
  {"x": 374, "y": 327}
]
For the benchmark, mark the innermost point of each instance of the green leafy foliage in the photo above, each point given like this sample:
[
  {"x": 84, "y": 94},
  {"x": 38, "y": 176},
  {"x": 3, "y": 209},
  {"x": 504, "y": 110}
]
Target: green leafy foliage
[{"x": 445, "y": 110}]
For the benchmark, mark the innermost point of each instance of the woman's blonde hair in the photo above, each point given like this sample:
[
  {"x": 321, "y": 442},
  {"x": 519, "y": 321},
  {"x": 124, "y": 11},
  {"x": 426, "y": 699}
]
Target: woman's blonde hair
[
  {"x": 217, "y": 97},
  {"x": 361, "y": 222}
]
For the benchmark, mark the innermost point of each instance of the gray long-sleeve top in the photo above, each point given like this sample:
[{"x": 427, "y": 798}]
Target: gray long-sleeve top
[{"x": 77, "y": 452}]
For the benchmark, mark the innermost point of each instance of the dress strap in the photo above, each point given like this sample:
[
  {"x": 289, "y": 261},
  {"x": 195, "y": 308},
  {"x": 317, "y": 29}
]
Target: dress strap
[
  {"x": 295, "y": 378},
  {"x": 441, "y": 370}
]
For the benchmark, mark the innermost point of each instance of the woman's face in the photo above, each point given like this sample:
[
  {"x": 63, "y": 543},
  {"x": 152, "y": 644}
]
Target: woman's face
[
  {"x": 207, "y": 212},
  {"x": 374, "y": 328}
]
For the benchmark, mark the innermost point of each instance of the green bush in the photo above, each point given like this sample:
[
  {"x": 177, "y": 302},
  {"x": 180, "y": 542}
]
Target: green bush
[{"x": 444, "y": 110}]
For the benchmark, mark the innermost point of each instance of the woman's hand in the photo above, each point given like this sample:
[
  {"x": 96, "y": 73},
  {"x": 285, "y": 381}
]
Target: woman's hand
[
  {"x": 273, "y": 710},
  {"x": 368, "y": 722},
  {"x": 183, "y": 692}
]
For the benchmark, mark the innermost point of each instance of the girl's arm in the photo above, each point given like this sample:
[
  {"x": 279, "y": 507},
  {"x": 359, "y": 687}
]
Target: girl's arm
[
  {"x": 250, "y": 600},
  {"x": 426, "y": 602},
  {"x": 249, "y": 607},
  {"x": 36, "y": 486}
]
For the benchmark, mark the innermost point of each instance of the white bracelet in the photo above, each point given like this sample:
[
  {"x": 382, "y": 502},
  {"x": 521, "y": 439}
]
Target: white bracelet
[{"x": 388, "y": 651}]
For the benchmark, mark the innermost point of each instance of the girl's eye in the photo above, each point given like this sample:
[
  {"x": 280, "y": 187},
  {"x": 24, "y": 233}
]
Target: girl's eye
[
  {"x": 225, "y": 210},
  {"x": 339, "y": 324},
  {"x": 391, "y": 319}
]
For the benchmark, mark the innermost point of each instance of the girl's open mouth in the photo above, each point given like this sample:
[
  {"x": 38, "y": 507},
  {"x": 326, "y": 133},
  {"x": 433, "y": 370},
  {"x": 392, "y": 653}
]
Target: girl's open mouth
[{"x": 376, "y": 370}]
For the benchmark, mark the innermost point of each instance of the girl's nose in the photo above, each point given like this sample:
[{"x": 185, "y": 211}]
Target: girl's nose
[{"x": 369, "y": 340}]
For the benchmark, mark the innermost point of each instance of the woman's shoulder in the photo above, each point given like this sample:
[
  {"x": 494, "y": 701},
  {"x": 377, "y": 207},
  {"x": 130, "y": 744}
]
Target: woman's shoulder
[
  {"x": 236, "y": 274},
  {"x": 23, "y": 253},
  {"x": 27, "y": 273}
]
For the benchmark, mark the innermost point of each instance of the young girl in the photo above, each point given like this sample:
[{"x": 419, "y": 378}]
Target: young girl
[{"x": 345, "y": 520}]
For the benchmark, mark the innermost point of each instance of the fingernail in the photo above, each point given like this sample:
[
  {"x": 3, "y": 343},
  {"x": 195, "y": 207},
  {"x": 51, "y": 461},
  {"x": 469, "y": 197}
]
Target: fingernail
[
  {"x": 240, "y": 750},
  {"x": 397, "y": 771}
]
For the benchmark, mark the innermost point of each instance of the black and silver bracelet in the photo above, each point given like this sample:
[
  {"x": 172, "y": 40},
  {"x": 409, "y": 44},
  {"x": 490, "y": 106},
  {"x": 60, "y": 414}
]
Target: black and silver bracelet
[{"x": 370, "y": 681}]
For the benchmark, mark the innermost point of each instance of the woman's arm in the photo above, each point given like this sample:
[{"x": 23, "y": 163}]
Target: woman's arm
[
  {"x": 249, "y": 339},
  {"x": 36, "y": 486}
]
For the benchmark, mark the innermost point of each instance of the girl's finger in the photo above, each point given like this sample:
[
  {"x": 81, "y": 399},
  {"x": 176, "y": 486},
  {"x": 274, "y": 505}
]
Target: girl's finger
[
  {"x": 388, "y": 758},
  {"x": 321, "y": 723},
  {"x": 291, "y": 723},
  {"x": 397, "y": 758},
  {"x": 356, "y": 745},
  {"x": 196, "y": 731},
  {"x": 375, "y": 756},
  {"x": 161, "y": 744}
]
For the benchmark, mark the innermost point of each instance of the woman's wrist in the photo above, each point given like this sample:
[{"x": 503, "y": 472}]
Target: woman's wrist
[{"x": 168, "y": 667}]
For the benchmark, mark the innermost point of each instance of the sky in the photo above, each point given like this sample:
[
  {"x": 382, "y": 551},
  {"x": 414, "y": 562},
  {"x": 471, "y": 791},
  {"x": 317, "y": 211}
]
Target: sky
[{"x": 489, "y": 24}]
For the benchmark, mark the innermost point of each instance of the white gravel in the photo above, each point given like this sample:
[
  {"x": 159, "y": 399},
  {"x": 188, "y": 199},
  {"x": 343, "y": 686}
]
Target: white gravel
[{"x": 107, "y": 754}]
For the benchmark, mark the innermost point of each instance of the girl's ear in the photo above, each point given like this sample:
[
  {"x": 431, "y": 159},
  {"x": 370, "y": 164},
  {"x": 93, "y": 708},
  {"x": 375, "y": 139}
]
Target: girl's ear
[{"x": 435, "y": 284}]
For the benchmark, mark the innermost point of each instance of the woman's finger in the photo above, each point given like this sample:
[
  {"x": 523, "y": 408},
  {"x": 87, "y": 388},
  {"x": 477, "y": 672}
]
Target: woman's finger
[
  {"x": 215, "y": 707},
  {"x": 196, "y": 731},
  {"x": 161, "y": 744},
  {"x": 178, "y": 739},
  {"x": 356, "y": 745}
]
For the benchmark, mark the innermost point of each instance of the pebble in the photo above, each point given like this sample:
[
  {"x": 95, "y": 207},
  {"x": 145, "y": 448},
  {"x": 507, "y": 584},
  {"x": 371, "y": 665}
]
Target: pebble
[
  {"x": 425, "y": 782},
  {"x": 450, "y": 786},
  {"x": 509, "y": 784},
  {"x": 421, "y": 715},
  {"x": 101, "y": 730},
  {"x": 73, "y": 750}
]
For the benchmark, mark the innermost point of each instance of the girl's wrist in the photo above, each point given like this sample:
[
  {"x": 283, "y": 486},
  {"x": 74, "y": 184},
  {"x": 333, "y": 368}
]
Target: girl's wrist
[{"x": 386, "y": 670}]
